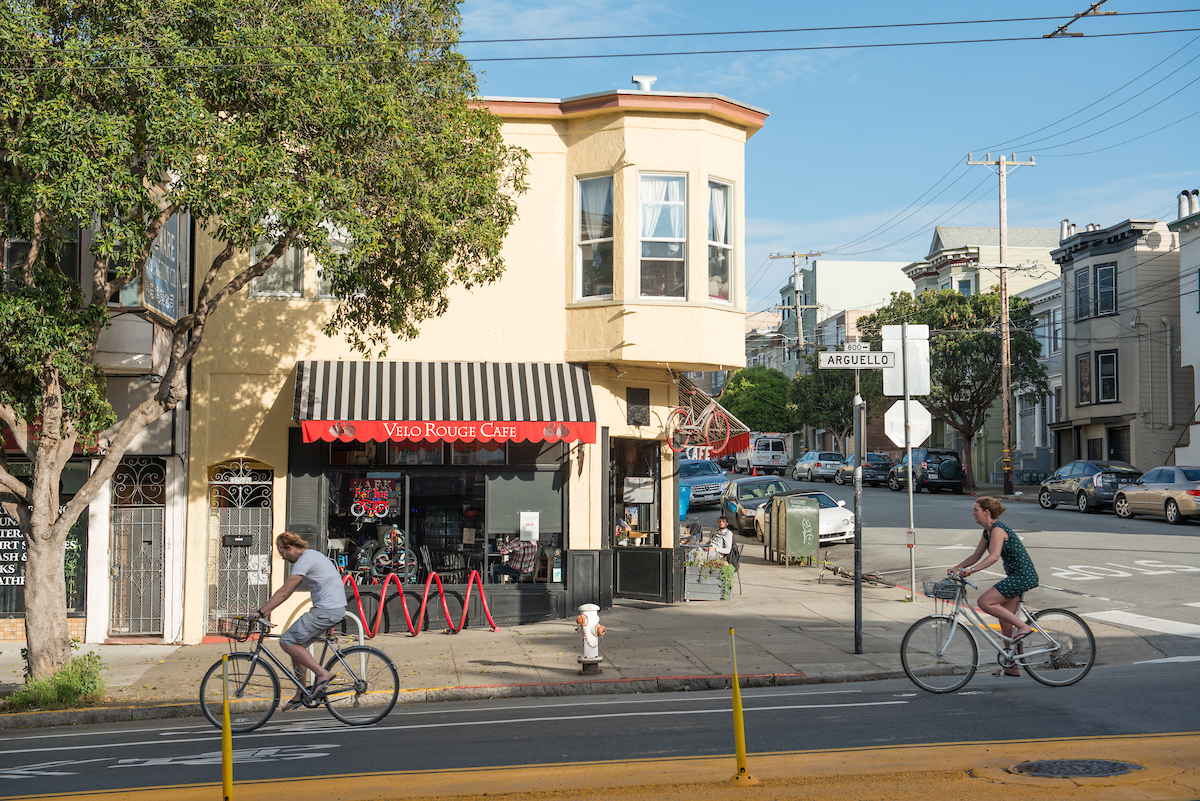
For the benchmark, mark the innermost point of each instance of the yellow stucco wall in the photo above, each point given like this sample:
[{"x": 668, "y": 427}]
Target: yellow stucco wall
[{"x": 243, "y": 375}]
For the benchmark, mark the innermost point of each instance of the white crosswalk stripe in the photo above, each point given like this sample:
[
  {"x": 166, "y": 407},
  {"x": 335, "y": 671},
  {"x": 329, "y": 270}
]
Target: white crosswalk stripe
[{"x": 1150, "y": 623}]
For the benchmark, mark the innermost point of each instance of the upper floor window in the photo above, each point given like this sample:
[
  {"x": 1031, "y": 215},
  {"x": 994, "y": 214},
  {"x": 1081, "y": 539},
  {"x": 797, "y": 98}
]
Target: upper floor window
[
  {"x": 65, "y": 258},
  {"x": 594, "y": 238},
  {"x": 340, "y": 247},
  {"x": 664, "y": 236},
  {"x": 284, "y": 278},
  {"x": 1083, "y": 378},
  {"x": 1106, "y": 376},
  {"x": 964, "y": 287},
  {"x": 1095, "y": 291},
  {"x": 720, "y": 250},
  {"x": 1054, "y": 332}
]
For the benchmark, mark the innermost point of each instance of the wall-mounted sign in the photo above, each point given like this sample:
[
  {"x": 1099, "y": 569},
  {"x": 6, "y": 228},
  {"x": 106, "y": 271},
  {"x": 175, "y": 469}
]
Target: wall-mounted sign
[
  {"x": 530, "y": 528},
  {"x": 638, "y": 489}
]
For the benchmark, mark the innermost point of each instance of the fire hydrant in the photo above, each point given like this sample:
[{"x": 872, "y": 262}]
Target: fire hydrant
[{"x": 590, "y": 631}]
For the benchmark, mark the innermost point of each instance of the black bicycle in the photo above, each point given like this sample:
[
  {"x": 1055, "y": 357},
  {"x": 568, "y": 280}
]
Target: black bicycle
[{"x": 362, "y": 691}]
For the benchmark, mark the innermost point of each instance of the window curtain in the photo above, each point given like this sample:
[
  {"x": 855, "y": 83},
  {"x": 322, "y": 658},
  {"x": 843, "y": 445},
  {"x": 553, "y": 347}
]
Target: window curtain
[
  {"x": 661, "y": 192},
  {"x": 718, "y": 215},
  {"x": 596, "y": 212}
]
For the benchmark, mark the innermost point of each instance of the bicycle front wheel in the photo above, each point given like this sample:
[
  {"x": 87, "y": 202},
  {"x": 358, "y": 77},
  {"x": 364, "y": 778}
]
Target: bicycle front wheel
[
  {"x": 1063, "y": 654},
  {"x": 679, "y": 424},
  {"x": 253, "y": 691},
  {"x": 364, "y": 687},
  {"x": 939, "y": 654},
  {"x": 716, "y": 431}
]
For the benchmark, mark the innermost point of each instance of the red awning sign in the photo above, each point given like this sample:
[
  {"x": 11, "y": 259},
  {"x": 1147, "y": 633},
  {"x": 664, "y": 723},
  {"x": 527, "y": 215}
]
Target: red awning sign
[{"x": 446, "y": 431}]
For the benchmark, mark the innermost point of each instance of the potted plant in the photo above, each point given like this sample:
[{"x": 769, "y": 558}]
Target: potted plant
[{"x": 707, "y": 579}]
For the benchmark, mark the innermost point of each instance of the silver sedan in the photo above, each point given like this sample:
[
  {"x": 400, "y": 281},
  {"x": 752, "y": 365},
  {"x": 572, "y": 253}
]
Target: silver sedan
[{"x": 1173, "y": 492}]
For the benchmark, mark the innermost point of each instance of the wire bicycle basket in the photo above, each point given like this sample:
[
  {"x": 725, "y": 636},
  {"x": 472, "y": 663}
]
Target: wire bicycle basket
[{"x": 235, "y": 628}]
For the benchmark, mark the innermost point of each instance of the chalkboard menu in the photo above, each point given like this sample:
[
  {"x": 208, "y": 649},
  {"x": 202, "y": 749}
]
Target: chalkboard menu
[{"x": 12, "y": 566}]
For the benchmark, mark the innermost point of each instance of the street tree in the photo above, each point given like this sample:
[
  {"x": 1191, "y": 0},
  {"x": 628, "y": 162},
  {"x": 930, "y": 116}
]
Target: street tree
[
  {"x": 758, "y": 397},
  {"x": 964, "y": 354},
  {"x": 825, "y": 398},
  {"x": 345, "y": 127}
]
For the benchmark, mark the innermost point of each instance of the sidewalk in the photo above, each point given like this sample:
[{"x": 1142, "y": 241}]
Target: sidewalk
[{"x": 793, "y": 625}]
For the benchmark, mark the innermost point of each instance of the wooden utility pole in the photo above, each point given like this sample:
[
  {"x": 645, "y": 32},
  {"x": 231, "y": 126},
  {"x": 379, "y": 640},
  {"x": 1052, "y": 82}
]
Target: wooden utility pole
[
  {"x": 1005, "y": 361},
  {"x": 795, "y": 257}
]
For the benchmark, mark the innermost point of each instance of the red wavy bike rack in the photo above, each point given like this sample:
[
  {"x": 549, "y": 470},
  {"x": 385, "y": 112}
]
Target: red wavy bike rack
[{"x": 472, "y": 579}]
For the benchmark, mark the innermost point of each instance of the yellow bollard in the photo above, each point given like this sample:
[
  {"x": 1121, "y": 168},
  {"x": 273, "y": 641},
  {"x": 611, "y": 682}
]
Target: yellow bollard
[
  {"x": 742, "y": 778},
  {"x": 226, "y": 733}
]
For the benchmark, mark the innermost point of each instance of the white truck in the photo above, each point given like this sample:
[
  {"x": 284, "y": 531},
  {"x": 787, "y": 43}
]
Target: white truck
[{"x": 767, "y": 453}]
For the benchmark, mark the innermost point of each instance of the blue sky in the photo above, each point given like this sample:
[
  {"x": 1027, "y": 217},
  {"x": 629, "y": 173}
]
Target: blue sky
[{"x": 866, "y": 139}]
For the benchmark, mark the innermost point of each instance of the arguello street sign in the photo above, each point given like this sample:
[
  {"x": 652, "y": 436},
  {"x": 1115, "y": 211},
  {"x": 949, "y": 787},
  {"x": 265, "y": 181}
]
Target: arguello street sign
[{"x": 871, "y": 360}]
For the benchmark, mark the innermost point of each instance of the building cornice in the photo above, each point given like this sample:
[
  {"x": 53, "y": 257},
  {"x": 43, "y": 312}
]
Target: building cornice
[{"x": 744, "y": 116}]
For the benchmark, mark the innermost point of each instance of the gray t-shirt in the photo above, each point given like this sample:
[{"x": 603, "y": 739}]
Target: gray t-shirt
[
  {"x": 322, "y": 580},
  {"x": 721, "y": 541}
]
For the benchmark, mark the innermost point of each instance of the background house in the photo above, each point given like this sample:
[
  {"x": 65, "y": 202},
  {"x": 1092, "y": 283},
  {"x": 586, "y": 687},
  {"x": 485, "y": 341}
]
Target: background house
[{"x": 1187, "y": 229}]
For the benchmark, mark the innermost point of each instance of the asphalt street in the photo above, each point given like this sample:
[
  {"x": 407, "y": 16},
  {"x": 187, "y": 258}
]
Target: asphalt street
[
  {"x": 1139, "y": 574},
  {"x": 528, "y": 732}
]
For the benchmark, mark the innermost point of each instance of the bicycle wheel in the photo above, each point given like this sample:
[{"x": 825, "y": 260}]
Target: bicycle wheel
[
  {"x": 253, "y": 692},
  {"x": 939, "y": 654},
  {"x": 716, "y": 431},
  {"x": 678, "y": 424},
  {"x": 1061, "y": 656},
  {"x": 364, "y": 687}
]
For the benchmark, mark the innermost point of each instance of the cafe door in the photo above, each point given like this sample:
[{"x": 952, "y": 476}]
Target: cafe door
[{"x": 641, "y": 565}]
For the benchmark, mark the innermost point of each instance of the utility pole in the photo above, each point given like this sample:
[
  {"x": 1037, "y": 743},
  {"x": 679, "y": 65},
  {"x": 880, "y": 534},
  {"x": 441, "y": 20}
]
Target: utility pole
[
  {"x": 1005, "y": 361},
  {"x": 795, "y": 257}
]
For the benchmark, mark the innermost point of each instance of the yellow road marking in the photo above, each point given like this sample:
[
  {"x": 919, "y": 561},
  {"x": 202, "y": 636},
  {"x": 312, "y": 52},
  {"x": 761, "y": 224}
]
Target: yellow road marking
[{"x": 975, "y": 770}]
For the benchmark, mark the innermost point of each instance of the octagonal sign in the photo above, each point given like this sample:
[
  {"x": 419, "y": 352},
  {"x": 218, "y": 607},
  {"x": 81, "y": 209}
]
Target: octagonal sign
[{"x": 919, "y": 420}]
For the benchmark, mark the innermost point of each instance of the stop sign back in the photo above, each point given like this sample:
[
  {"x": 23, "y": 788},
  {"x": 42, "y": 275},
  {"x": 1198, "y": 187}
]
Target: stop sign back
[{"x": 919, "y": 420}]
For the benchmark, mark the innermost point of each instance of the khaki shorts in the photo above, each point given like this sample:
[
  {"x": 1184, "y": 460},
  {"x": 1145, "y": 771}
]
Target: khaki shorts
[{"x": 313, "y": 624}]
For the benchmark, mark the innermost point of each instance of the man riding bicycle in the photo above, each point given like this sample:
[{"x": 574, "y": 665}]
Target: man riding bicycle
[{"x": 328, "y": 608}]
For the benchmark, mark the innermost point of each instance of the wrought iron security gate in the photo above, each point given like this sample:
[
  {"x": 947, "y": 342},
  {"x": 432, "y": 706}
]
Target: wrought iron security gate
[
  {"x": 239, "y": 538},
  {"x": 137, "y": 535}
]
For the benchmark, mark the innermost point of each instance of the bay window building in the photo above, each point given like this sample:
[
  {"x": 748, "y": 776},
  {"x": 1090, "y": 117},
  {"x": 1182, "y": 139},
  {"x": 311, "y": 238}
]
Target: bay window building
[{"x": 528, "y": 418}]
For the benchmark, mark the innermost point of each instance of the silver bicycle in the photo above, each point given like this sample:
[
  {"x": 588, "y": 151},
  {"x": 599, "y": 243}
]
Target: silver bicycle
[{"x": 940, "y": 654}]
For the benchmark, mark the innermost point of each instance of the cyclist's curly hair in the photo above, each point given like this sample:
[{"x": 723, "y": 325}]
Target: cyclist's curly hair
[
  {"x": 989, "y": 504},
  {"x": 290, "y": 539}
]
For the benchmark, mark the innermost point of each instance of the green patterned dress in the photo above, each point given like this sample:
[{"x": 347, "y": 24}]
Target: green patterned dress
[{"x": 1020, "y": 574}]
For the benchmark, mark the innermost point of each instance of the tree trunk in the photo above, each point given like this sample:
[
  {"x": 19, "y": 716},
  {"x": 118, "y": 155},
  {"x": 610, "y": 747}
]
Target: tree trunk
[
  {"x": 968, "y": 462},
  {"x": 46, "y": 603}
]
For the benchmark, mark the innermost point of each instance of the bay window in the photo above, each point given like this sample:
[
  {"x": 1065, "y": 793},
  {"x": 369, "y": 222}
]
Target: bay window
[
  {"x": 663, "y": 236},
  {"x": 594, "y": 238},
  {"x": 720, "y": 252},
  {"x": 1106, "y": 376}
]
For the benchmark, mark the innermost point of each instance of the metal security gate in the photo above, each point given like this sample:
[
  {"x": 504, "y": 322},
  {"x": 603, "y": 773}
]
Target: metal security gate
[
  {"x": 239, "y": 538},
  {"x": 137, "y": 535}
]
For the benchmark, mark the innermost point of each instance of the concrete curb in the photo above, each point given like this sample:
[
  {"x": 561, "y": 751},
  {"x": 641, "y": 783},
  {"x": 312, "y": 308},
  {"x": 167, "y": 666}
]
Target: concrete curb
[{"x": 661, "y": 684}]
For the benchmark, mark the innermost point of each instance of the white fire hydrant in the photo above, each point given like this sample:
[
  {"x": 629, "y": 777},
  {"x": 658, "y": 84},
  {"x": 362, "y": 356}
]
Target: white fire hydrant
[{"x": 590, "y": 631}]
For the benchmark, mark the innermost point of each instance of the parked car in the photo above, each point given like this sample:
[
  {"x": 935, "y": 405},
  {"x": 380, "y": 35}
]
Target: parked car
[
  {"x": 744, "y": 495},
  {"x": 1087, "y": 484},
  {"x": 766, "y": 453},
  {"x": 817, "y": 464},
  {"x": 874, "y": 472},
  {"x": 1173, "y": 492},
  {"x": 706, "y": 479},
  {"x": 933, "y": 469},
  {"x": 834, "y": 521}
]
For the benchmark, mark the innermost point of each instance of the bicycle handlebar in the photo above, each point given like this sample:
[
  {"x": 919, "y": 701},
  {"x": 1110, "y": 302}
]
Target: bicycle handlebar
[{"x": 957, "y": 576}]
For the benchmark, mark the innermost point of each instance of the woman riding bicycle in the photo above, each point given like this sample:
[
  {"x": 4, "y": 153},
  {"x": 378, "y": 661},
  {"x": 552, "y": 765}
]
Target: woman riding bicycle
[{"x": 999, "y": 542}]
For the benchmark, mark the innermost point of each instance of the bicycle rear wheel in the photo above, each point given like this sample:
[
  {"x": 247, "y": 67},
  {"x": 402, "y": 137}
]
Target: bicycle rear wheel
[
  {"x": 1061, "y": 656},
  {"x": 939, "y": 654},
  {"x": 364, "y": 687},
  {"x": 253, "y": 693},
  {"x": 716, "y": 431},
  {"x": 678, "y": 425}
]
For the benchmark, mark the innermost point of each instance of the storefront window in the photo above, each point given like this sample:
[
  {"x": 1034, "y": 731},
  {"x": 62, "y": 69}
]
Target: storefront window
[
  {"x": 12, "y": 546},
  {"x": 405, "y": 508}
]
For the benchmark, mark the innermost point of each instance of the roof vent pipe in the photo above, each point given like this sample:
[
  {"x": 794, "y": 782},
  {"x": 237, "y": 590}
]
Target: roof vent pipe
[
  {"x": 1070, "y": 230},
  {"x": 1063, "y": 231},
  {"x": 1194, "y": 202},
  {"x": 1185, "y": 199},
  {"x": 644, "y": 82}
]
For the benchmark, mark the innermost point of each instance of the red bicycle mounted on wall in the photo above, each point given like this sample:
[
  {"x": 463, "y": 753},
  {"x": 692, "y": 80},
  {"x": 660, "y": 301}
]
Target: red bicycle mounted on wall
[{"x": 685, "y": 427}]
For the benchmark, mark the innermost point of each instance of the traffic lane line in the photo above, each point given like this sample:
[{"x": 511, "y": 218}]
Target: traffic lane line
[
  {"x": 976, "y": 770},
  {"x": 1155, "y": 624}
]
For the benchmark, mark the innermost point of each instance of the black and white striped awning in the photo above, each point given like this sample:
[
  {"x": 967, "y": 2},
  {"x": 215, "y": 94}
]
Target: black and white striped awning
[{"x": 454, "y": 401}]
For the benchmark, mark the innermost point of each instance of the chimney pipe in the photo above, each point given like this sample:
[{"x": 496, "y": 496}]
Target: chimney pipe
[
  {"x": 1063, "y": 229},
  {"x": 1185, "y": 200},
  {"x": 644, "y": 82},
  {"x": 1194, "y": 202},
  {"x": 1070, "y": 230}
]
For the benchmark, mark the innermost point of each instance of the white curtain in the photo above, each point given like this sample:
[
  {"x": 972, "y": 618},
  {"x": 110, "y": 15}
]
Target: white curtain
[
  {"x": 596, "y": 208},
  {"x": 661, "y": 192},
  {"x": 718, "y": 217}
]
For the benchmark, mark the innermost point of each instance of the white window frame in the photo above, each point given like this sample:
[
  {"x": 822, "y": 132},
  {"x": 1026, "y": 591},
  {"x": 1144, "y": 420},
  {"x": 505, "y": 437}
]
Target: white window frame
[
  {"x": 1110, "y": 271},
  {"x": 725, "y": 248},
  {"x": 644, "y": 240},
  {"x": 1055, "y": 319},
  {"x": 256, "y": 255},
  {"x": 580, "y": 242},
  {"x": 1098, "y": 380}
]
